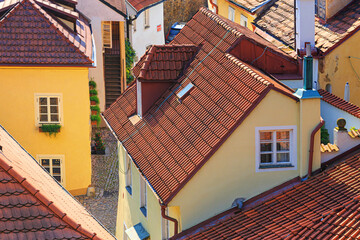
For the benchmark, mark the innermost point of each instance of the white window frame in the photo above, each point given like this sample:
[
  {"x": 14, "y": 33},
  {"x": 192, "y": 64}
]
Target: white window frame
[
  {"x": 138, "y": 98},
  {"x": 243, "y": 21},
  {"x": 293, "y": 148},
  {"x": 165, "y": 226},
  {"x": 231, "y": 13},
  {"x": 37, "y": 97},
  {"x": 147, "y": 18},
  {"x": 143, "y": 195},
  {"x": 106, "y": 36},
  {"x": 62, "y": 165},
  {"x": 128, "y": 173}
]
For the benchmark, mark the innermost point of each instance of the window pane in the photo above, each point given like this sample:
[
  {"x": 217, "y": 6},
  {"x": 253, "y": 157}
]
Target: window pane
[
  {"x": 54, "y": 117},
  {"x": 265, "y": 135},
  {"x": 266, "y": 147},
  {"x": 282, "y": 146},
  {"x": 43, "y": 109},
  {"x": 54, "y": 109},
  {"x": 266, "y": 158},
  {"x": 53, "y": 101},
  {"x": 43, "y": 118},
  {"x": 56, "y": 170},
  {"x": 45, "y": 162},
  {"x": 56, "y": 162},
  {"x": 47, "y": 169},
  {"x": 43, "y": 101},
  {"x": 283, "y": 135},
  {"x": 283, "y": 157},
  {"x": 58, "y": 178}
]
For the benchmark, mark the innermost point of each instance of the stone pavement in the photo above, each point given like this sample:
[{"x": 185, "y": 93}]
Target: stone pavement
[{"x": 105, "y": 179}]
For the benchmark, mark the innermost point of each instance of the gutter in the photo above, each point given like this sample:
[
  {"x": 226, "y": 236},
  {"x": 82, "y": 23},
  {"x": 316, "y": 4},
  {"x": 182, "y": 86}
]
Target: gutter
[
  {"x": 312, "y": 139},
  {"x": 176, "y": 223},
  {"x": 214, "y": 6}
]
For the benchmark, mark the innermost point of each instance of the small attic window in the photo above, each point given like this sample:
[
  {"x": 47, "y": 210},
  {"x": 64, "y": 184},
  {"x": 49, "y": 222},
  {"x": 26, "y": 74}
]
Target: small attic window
[{"x": 185, "y": 91}]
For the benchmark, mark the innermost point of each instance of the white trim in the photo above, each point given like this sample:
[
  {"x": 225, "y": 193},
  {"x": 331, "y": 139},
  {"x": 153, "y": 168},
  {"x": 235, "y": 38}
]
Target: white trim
[
  {"x": 125, "y": 236},
  {"x": 244, "y": 18},
  {"x": 167, "y": 225},
  {"x": 143, "y": 194},
  {"x": 293, "y": 147},
  {"x": 36, "y": 108},
  {"x": 128, "y": 171},
  {"x": 138, "y": 98},
  {"x": 62, "y": 164},
  {"x": 231, "y": 13}
]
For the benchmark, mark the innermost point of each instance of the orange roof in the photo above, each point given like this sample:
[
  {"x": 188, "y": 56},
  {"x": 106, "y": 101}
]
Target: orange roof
[
  {"x": 174, "y": 140},
  {"x": 33, "y": 205},
  {"x": 142, "y": 4},
  {"x": 340, "y": 103},
  {"x": 322, "y": 207}
]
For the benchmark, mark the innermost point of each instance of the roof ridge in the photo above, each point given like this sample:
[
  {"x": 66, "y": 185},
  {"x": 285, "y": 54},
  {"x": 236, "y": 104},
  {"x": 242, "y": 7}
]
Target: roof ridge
[
  {"x": 248, "y": 69},
  {"x": 221, "y": 22},
  {"x": 148, "y": 57},
  {"x": 43, "y": 199}
]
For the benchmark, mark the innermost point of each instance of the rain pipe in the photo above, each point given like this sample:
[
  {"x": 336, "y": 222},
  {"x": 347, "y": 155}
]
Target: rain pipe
[
  {"x": 312, "y": 139},
  {"x": 214, "y": 6},
  {"x": 176, "y": 223}
]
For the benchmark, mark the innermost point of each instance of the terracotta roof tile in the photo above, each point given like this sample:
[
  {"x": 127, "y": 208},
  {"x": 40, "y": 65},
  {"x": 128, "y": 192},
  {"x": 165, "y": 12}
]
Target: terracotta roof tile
[
  {"x": 33, "y": 205},
  {"x": 173, "y": 140},
  {"x": 322, "y": 207},
  {"x": 141, "y": 4},
  {"x": 328, "y": 148},
  {"x": 278, "y": 20},
  {"x": 29, "y": 35},
  {"x": 165, "y": 62},
  {"x": 340, "y": 103}
]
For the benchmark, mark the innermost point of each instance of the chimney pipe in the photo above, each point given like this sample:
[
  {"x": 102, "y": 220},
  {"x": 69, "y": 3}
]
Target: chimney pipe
[
  {"x": 347, "y": 92},
  {"x": 305, "y": 23},
  {"x": 308, "y": 69}
]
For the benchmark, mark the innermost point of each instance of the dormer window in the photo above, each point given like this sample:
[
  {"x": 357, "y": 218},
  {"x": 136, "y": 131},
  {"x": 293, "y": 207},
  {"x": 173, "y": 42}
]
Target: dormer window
[{"x": 185, "y": 91}]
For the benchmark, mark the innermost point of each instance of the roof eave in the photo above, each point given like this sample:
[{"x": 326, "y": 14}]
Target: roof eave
[{"x": 114, "y": 8}]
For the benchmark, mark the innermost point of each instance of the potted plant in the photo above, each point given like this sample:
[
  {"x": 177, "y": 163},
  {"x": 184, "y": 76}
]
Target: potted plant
[
  {"x": 93, "y": 92},
  {"x": 92, "y": 84},
  {"x": 95, "y": 110},
  {"x": 98, "y": 147},
  {"x": 50, "y": 128},
  {"x": 94, "y": 100},
  {"x": 95, "y": 119}
]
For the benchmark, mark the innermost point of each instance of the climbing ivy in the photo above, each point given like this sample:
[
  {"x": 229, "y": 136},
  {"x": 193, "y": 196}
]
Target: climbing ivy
[{"x": 130, "y": 58}]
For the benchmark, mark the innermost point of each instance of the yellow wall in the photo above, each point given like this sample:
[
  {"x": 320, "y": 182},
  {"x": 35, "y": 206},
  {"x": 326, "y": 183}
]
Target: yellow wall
[
  {"x": 231, "y": 172},
  {"x": 17, "y": 104},
  {"x": 223, "y": 6},
  {"x": 335, "y": 69},
  {"x": 129, "y": 205}
]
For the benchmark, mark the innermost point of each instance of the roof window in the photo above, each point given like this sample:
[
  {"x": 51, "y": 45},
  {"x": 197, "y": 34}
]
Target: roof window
[{"x": 185, "y": 91}]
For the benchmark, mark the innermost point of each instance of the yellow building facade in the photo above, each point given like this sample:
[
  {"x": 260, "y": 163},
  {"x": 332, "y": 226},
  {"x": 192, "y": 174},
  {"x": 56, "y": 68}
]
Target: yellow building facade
[{"x": 21, "y": 89}]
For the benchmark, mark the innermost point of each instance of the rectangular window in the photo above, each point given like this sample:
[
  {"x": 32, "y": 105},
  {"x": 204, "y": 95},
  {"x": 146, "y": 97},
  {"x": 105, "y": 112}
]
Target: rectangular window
[
  {"x": 146, "y": 18},
  {"x": 128, "y": 175},
  {"x": 106, "y": 34},
  {"x": 54, "y": 165},
  {"x": 48, "y": 109},
  {"x": 243, "y": 20},
  {"x": 231, "y": 13},
  {"x": 143, "y": 196},
  {"x": 276, "y": 147}
]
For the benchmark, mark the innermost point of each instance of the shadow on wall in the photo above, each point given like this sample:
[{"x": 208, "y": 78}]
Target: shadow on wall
[{"x": 180, "y": 11}]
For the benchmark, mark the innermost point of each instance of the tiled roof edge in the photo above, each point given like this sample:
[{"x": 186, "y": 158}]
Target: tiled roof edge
[
  {"x": 39, "y": 196},
  {"x": 342, "y": 104},
  {"x": 218, "y": 20}
]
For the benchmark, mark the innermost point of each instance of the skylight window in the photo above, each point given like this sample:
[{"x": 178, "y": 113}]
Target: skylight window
[{"x": 185, "y": 91}]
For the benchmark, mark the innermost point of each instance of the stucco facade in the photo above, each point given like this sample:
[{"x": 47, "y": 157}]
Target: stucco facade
[{"x": 19, "y": 88}]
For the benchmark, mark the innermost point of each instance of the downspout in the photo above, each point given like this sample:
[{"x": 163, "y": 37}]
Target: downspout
[
  {"x": 312, "y": 139},
  {"x": 214, "y": 6},
  {"x": 176, "y": 223}
]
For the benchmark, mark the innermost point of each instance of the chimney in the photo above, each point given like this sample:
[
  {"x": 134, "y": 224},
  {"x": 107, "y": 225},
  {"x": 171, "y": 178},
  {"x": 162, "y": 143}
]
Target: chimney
[{"x": 305, "y": 23}]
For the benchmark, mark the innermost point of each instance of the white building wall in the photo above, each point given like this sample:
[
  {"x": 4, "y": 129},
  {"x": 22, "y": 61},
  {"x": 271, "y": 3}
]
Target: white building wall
[
  {"x": 331, "y": 114},
  {"x": 98, "y": 12},
  {"x": 143, "y": 37}
]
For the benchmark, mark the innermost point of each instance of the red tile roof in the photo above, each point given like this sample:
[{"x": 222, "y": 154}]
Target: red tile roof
[
  {"x": 139, "y": 5},
  {"x": 174, "y": 140},
  {"x": 33, "y": 205},
  {"x": 29, "y": 35},
  {"x": 278, "y": 20},
  {"x": 295, "y": 212},
  {"x": 340, "y": 103},
  {"x": 165, "y": 62}
]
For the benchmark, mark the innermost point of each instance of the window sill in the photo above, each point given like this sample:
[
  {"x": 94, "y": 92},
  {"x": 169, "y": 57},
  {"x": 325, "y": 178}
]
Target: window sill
[
  {"x": 144, "y": 211},
  {"x": 147, "y": 26},
  {"x": 267, "y": 166},
  {"x": 128, "y": 188}
]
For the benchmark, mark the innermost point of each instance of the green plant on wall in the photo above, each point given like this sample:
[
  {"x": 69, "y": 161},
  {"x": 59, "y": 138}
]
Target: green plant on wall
[
  {"x": 95, "y": 99},
  {"x": 96, "y": 118},
  {"x": 95, "y": 108},
  {"x": 130, "y": 58},
  {"x": 51, "y": 128},
  {"x": 99, "y": 147},
  {"x": 92, "y": 83},
  {"x": 324, "y": 135}
]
